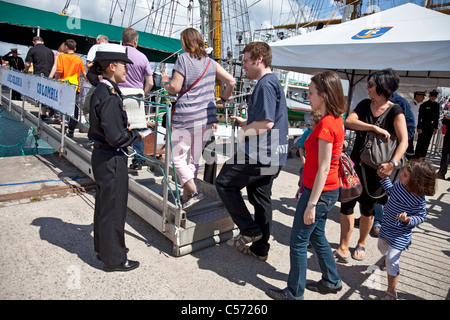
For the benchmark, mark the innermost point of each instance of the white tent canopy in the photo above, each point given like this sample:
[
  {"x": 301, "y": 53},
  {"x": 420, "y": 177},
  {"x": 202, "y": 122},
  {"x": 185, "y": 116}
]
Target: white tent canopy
[{"x": 413, "y": 40}]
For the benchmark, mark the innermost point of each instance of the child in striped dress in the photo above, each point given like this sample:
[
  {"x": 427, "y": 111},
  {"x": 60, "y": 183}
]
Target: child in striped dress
[{"x": 404, "y": 210}]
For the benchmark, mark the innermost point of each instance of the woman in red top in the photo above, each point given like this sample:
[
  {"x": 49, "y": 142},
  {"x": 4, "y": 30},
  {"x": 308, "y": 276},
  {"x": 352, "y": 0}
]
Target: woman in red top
[{"x": 320, "y": 177}]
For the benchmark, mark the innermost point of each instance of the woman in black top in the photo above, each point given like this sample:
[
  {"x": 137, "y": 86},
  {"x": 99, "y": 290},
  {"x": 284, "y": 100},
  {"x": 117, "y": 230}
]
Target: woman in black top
[
  {"x": 380, "y": 87},
  {"x": 109, "y": 131}
]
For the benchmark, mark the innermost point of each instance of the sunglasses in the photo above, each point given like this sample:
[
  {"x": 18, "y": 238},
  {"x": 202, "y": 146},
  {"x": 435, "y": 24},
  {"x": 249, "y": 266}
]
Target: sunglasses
[{"x": 370, "y": 84}]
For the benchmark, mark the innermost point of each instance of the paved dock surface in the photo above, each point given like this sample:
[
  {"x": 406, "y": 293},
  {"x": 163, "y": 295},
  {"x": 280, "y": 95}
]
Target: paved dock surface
[{"x": 46, "y": 222}]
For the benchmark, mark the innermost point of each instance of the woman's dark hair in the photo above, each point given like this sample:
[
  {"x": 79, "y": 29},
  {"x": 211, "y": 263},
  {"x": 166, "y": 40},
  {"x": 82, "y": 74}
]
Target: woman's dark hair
[
  {"x": 96, "y": 70},
  {"x": 386, "y": 82},
  {"x": 329, "y": 84}
]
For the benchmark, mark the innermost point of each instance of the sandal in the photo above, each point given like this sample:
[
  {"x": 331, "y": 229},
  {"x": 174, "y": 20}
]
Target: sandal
[
  {"x": 358, "y": 249},
  {"x": 340, "y": 258},
  {"x": 193, "y": 199},
  {"x": 389, "y": 296}
]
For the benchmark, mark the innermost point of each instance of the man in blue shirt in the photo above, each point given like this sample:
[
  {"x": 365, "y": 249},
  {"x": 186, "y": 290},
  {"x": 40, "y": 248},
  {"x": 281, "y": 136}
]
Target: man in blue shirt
[
  {"x": 409, "y": 116},
  {"x": 262, "y": 151}
]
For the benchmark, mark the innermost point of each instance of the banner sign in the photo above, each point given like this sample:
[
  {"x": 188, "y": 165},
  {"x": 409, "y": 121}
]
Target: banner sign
[{"x": 55, "y": 94}]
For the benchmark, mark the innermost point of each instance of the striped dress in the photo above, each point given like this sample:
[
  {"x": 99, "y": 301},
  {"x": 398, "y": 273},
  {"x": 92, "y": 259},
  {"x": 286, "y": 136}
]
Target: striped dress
[
  {"x": 197, "y": 107},
  {"x": 395, "y": 232}
]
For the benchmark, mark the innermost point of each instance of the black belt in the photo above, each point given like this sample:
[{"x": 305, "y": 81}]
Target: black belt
[{"x": 106, "y": 147}]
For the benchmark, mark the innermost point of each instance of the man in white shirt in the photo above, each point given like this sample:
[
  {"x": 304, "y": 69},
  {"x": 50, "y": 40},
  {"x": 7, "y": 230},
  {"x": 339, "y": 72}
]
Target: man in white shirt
[
  {"x": 91, "y": 54},
  {"x": 414, "y": 104}
]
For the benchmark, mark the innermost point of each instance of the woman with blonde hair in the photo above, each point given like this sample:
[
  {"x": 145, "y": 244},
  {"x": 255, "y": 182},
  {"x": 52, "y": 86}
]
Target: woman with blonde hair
[{"x": 193, "y": 79}]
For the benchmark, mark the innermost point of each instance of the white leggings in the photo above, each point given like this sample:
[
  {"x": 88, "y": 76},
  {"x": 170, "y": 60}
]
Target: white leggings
[
  {"x": 184, "y": 140},
  {"x": 392, "y": 257}
]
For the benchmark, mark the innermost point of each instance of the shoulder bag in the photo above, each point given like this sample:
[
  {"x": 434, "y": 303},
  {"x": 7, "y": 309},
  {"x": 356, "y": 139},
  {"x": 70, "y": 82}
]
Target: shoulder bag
[
  {"x": 377, "y": 150},
  {"x": 350, "y": 186}
]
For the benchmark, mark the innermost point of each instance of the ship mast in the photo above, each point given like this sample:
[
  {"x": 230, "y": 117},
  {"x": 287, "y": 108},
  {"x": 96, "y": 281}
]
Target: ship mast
[{"x": 215, "y": 33}]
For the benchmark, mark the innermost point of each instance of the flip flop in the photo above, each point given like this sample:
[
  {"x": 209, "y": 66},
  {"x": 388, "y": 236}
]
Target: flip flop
[
  {"x": 340, "y": 258},
  {"x": 389, "y": 296},
  {"x": 358, "y": 249}
]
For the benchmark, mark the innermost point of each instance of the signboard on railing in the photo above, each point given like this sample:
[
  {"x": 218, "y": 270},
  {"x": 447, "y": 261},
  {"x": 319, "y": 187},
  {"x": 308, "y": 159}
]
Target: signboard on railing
[{"x": 55, "y": 94}]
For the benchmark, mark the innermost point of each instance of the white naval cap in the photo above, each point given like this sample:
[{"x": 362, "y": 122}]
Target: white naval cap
[{"x": 112, "y": 52}]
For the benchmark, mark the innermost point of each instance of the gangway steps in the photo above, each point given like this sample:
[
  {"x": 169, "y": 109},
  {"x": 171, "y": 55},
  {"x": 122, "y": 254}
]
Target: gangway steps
[{"x": 204, "y": 225}]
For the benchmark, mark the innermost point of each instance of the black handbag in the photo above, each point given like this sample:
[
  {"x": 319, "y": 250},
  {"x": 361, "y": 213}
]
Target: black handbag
[{"x": 377, "y": 150}]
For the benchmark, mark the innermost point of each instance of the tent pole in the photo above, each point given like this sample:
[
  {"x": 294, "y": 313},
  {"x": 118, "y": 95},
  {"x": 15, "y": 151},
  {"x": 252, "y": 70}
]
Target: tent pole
[{"x": 350, "y": 92}]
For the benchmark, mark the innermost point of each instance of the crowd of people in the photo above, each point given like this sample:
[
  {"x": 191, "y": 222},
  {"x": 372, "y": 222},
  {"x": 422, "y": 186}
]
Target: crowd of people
[{"x": 396, "y": 192}]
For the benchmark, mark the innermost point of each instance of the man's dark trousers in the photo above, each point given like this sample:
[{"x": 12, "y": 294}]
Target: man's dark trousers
[{"x": 258, "y": 180}]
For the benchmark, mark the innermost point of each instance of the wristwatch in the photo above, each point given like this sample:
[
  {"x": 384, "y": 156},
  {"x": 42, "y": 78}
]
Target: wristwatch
[
  {"x": 312, "y": 204},
  {"x": 396, "y": 164}
]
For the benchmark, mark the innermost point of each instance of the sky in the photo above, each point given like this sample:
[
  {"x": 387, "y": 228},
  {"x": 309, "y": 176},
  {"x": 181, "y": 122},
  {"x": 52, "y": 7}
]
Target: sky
[{"x": 262, "y": 13}]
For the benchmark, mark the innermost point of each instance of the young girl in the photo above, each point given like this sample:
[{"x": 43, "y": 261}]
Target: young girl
[{"x": 404, "y": 210}]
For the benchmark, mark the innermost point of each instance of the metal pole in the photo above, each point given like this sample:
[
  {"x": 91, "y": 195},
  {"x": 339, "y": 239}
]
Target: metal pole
[
  {"x": 156, "y": 131},
  {"x": 63, "y": 124},
  {"x": 166, "y": 168},
  {"x": 22, "y": 115},
  {"x": 39, "y": 114},
  {"x": 10, "y": 100}
]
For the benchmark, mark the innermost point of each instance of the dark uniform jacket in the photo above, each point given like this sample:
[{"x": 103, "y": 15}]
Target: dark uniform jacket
[
  {"x": 428, "y": 115},
  {"x": 108, "y": 119},
  {"x": 15, "y": 63}
]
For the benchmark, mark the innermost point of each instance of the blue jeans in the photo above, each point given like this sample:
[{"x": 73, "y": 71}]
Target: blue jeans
[
  {"x": 139, "y": 148},
  {"x": 301, "y": 234},
  {"x": 378, "y": 215}
]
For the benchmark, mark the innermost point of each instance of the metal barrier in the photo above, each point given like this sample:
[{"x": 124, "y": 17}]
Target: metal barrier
[{"x": 154, "y": 193}]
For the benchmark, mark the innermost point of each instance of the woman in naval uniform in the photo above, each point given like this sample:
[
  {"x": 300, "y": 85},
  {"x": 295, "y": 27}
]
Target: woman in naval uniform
[{"x": 109, "y": 131}]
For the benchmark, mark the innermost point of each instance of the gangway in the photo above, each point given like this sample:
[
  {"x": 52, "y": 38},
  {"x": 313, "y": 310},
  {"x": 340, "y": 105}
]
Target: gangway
[{"x": 202, "y": 226}]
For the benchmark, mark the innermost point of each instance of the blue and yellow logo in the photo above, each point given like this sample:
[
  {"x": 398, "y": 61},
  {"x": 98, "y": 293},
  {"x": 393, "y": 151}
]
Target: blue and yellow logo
[{"x": 371, "y": 33}]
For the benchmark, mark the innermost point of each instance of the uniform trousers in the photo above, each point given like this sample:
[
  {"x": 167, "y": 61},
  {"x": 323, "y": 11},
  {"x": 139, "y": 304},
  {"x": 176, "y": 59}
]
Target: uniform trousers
[
  {"x": 109, "y": 167},
  {"x": 423, "y": 142}
]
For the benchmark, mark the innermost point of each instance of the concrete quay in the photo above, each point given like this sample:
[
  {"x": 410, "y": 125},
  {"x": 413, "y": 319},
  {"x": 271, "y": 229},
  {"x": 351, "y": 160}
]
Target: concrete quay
[{"x": 46, "y": 215}]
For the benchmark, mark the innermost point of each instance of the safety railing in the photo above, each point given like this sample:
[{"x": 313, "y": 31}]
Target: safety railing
[{"x": 156, "y": 103}]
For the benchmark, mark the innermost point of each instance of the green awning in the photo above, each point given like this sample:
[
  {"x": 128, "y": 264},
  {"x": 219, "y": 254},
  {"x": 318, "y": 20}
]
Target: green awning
[{"x": 19, "y": 25}]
